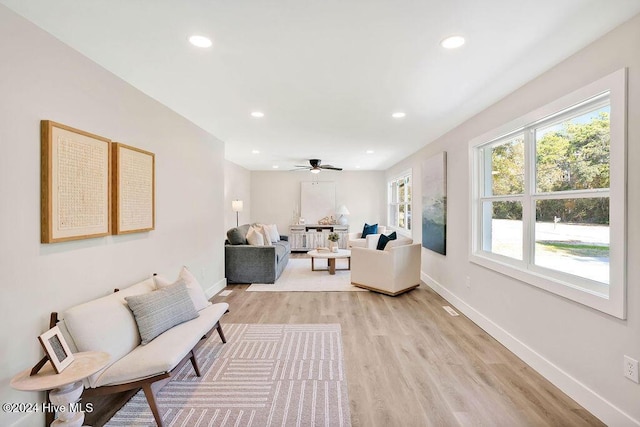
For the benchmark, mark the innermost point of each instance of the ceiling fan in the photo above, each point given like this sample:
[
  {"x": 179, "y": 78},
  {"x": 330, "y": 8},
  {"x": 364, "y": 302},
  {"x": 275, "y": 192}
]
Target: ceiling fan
[{"x": 316, "y": 166}]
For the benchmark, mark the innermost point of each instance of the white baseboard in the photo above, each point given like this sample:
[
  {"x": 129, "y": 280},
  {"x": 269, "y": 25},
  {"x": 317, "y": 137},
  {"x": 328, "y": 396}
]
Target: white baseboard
[
  {"x": 217, "y": 287},
  {"x": 589, "y": 399}
]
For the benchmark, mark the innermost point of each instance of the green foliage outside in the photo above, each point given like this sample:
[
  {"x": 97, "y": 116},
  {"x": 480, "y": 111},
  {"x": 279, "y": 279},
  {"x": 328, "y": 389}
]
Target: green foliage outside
[{"x": 572, "y": 156}]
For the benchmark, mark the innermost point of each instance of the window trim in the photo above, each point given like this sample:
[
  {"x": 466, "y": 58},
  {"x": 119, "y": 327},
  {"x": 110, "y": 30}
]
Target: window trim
[
  {"x": 583, "y": 291},
  {"x": 404, "y": 174}
]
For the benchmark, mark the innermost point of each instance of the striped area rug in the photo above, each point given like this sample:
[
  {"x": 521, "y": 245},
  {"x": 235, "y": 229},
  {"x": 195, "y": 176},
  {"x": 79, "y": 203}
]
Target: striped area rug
[{"x": 266, "y": 375}]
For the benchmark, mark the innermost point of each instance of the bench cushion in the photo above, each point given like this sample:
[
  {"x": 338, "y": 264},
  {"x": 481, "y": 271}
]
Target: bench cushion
[
  {"x": 106, "y": 324},
  {"x": 163, "y": 353}
]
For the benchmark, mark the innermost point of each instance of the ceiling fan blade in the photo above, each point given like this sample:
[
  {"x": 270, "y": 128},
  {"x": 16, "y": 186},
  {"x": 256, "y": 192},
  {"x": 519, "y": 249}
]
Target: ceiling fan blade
[
  {"x": 330, "y": 167},
  {"x": 300, "y": 166}
]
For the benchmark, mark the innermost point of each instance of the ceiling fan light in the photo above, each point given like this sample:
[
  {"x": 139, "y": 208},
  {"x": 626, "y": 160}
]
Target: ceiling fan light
[{"x": 315, "y": 170}]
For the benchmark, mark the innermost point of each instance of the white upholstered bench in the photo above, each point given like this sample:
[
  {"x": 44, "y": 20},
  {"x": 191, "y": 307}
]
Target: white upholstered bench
[{"x": 108, "y": 324}]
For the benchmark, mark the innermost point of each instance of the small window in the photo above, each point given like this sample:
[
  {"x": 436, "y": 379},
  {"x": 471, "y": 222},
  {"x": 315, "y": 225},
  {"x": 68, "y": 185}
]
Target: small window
[
  {"x": 549, "y": 197},
  {"x": 400, "y": 203}
]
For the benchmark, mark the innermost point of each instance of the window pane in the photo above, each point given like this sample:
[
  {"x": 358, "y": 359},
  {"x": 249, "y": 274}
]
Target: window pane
[
  {"x": 574, "y": 154},
  {"x": 401, "y": 191},
  {"x": 393, "y": 215},
  {"x": 401, "y": 217},
  {"x": 507, "y": 167},
  {"x": 572, "y": 236},
  {"x": 408, "y": 181},
  {"x": 394, "y": 192},
  {"x": 409, "y": 216},
  {"x": 502, "y": 228}
]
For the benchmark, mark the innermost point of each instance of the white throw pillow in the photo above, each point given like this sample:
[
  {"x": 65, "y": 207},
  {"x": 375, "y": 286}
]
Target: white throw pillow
[
  {"x": 255, "y": 237},
  {"x": 265, "y": 234},
  {"x": 273, "y": 232},
  {"x": 196, "y": 292}
]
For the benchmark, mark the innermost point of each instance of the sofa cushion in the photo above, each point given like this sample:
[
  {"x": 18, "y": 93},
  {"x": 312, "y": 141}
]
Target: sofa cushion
[
  {"x": 160, "y": 310},
  {"x": 281, "y": 250},
  {"x": 238, "y": 235},
  {"x": 369, "y": 229},
  {"x": 264, "y": 230},
  {"x": 255, "y": 237},
  {"x": 106, "y": 324},
  {"x": 162, "y": 354},
  {"x": 272, "y": 229},
  {"x": 198, "y": 297},
  {"x": 400, "y": 241},
  {"x": 384, "y": 239}
]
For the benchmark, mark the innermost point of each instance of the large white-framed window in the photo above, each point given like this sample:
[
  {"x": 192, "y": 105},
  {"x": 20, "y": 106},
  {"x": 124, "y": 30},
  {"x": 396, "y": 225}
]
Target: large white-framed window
[
  {"x": 548, "y": 197},
  {"x": 399, "y": 206}
]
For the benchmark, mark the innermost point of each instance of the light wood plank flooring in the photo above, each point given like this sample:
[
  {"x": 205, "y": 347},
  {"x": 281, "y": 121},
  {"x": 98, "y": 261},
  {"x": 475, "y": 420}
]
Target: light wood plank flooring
[{"x": 409, "y": 363}]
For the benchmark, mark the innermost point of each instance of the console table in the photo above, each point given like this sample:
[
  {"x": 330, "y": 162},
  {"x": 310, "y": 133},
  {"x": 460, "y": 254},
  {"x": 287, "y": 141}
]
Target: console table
[{"x": 306, "y": 237}]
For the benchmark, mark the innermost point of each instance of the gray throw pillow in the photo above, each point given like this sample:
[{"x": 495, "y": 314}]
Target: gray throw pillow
[
  {"x": 160, "y": 310},
  {"x": 238, "y": 235}
]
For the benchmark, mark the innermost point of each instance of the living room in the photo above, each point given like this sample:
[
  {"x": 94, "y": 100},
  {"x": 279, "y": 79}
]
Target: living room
[{"x": 579, "y": 349}]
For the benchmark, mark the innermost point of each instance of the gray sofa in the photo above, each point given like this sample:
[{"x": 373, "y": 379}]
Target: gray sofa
[{"x": 244, "y": 263}]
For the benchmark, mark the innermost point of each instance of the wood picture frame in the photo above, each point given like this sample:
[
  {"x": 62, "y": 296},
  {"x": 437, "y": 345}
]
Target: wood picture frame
[
  {"x": 56, "y": 348},
  {"x": 133, "y": 208},
  {"x": 75, "y": 184}
]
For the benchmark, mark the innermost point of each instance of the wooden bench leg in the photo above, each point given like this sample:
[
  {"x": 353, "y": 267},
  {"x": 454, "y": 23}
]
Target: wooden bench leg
[
  {"x": 151, "y": 399},
  {"x": 194, "y": 362},
  {"x": 219, "y": 328}
]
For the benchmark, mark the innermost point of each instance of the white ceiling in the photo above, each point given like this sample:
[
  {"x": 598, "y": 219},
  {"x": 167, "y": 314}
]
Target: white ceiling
[{"x": 326, "y": 73}]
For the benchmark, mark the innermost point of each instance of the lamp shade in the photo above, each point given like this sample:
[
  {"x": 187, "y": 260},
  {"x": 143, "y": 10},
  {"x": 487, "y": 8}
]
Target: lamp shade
[
  {"x": 342, "y": 210},
  {"x": 236, "y": 205}
]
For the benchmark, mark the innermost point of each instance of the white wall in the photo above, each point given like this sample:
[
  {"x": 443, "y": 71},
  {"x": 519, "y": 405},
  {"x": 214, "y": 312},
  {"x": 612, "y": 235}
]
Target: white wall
[
  {"x": 237, "y": 186},
  {"x": 40, "y": 78},
  {"x": 275, "y": 195},
  {"x": 581, "y": 350}
]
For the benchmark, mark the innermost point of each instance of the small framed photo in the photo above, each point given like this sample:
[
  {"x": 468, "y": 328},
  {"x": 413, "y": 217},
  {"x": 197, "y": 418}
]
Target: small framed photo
[{"x": 56, "y": 348}]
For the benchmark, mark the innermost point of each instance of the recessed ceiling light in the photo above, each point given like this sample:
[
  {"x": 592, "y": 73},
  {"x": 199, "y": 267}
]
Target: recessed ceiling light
[
  {"x": 200, "y": 41},
  {"x": 358, "y": 167},
  {"x": 275, "y": 166},
  {"x": 370, "y": 151},
  {"x": 255, "y": 151},
  {"x": 398, "y": 115},
  {"x": 452, "y": 42},
  {"x": 257, "y": 114}
]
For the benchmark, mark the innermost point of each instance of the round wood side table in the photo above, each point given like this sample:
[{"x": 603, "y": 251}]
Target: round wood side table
[{"x": 66, "y": 387}]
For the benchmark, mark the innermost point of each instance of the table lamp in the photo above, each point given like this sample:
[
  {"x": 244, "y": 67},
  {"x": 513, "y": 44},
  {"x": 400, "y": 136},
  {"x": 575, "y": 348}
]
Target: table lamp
[{"x": 342, "y": 211}]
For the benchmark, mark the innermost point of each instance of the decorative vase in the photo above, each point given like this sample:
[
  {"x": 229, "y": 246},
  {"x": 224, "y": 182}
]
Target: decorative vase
[{"x": 333, "y": 246}]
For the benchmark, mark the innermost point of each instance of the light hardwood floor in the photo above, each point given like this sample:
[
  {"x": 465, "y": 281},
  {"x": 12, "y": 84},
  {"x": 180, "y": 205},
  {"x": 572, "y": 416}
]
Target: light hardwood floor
[{"x": 409, "y": 363}]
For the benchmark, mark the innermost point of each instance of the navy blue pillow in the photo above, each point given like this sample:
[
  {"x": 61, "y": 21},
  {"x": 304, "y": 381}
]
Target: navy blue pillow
[
  {"x": 383, "y": 240},
  {"x": 369, "y": 229}
]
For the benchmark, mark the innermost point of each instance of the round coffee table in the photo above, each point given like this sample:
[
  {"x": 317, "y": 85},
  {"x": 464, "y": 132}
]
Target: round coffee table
[{"x": 331, "y": 259}]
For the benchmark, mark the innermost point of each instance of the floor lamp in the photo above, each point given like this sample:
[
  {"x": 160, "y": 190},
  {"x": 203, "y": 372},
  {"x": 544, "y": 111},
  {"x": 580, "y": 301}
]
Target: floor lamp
[{"x": 236, "y": 206}]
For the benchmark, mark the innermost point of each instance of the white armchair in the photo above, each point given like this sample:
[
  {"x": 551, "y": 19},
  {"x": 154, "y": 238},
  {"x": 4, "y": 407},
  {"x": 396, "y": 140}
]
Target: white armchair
[
  {"x": 356, "y": 240},
  {"x": 392, "y": 271}
]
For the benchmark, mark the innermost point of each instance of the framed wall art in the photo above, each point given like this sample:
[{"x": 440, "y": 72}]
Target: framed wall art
[
  {"x": 75, "y": 184},
  {"x": 56, "y": 348},
  {"x": 133, "y": 189},
  {"x": 434, "y": 203}
]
